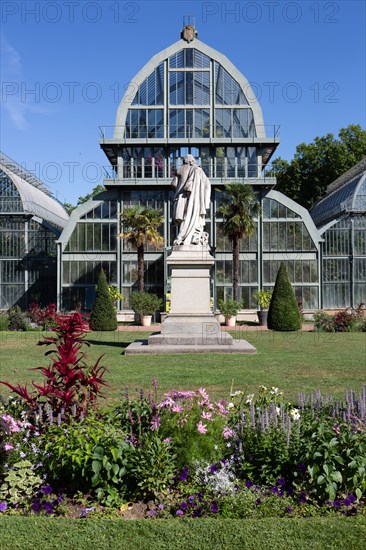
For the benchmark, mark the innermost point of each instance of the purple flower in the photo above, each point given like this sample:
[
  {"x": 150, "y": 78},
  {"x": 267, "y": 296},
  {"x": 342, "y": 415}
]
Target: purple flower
[
  {"x": 152, "y": 512},
  {"x": 48, "y": 506},
  {"x": 249, "y": 484},
  {"x": 86, "y": 511},
  {"x": 336, "y": 503},
  {"x": 184, "y": 475},
  {"x": 302, "y": 497},
  {"x": 346, "y": 502},
  {"x": 289, "y": 509},
  {"x": 274, "y": 490},
  {"x": 258, "y": 501},
  {"x": 36, "y": 505},
  {"x": 214, "y": 507},
  {"x": 161, "y": 506},
  {"x": 214, "y": 468},
  {"x": 352, "y": 498},
  {"x": 281, "y": 493},
  {"x": 281, "y": 481},
  {"x": 47, "y": 489},
  {"x": 302, "y": 468},
  {"x": 3, "y": 506},
  {"x": 183, "y": 505},
  {"x": 179, "y": 513}
]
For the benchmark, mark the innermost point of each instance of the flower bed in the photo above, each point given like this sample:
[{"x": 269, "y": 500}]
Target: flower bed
[{"x": 177, "y": 455}]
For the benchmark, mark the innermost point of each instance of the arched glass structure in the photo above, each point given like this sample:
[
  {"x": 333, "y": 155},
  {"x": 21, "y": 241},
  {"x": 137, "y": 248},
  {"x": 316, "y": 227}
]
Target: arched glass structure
[
  {"x": 189, "y": 98},
  {"x": 341, "y": 219},
  {"x": 30, "y": 222}
]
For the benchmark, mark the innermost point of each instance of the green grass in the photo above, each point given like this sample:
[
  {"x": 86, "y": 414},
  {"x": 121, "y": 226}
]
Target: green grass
[
  {"x": 293, "y": 362},
  {"x": 205, "y": 534}
]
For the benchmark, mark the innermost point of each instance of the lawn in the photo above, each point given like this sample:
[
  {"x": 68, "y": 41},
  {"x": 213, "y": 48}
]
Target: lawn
[
  {"x": 303, "y": 361},
  {"x": 203, "y": 534}
]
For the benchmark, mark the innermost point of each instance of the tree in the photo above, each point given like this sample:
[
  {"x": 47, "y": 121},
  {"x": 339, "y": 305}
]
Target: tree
[
  {"x": 97, "y": 189},
  {"x": 284, "y": 313},
  {"x": 317, "y": 164},
  {"x": 103, "y": 315},
  {"x": 238, "y": 207},
  {"x": 141, "y": 228}
]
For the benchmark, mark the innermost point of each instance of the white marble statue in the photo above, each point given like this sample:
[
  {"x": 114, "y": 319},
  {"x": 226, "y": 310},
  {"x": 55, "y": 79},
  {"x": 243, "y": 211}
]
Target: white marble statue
[{"x": 191, "y": 200}]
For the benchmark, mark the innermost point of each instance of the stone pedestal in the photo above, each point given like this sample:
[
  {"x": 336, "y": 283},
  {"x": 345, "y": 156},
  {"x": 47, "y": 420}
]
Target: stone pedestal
[{"x": 190, "y": 326}]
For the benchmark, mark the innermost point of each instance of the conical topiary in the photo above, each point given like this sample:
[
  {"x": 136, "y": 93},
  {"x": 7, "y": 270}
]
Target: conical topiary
[
  {"x": 103, "y": 315},
  {"x": 284, "y": 313}
]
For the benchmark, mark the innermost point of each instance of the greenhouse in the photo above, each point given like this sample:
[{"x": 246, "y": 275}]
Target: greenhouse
[
  {"x": 188, "y": 98},
  {"x": 341, "y": 219},
  {"x": 30, "y": 222}
]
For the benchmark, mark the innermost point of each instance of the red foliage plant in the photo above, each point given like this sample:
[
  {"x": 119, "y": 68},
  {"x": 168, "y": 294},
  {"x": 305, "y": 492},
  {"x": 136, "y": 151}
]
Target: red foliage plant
[
  {"x": 70, "y": 385},
  {"x": 44, "y": 317}
]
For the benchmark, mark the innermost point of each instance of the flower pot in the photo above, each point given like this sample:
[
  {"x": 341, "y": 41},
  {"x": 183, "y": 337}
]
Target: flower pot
[
  {"x": 230, "y": 321},
  {"x": 146, "y": 320},
  {"x": 262, "y": 317}
]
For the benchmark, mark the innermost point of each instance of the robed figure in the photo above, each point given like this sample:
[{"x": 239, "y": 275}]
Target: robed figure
[{"x": 191, "y": 200}]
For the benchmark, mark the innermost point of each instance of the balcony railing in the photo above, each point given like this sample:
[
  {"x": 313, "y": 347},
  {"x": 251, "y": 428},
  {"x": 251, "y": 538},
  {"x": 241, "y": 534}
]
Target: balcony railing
[
  {"x": 123, "y": 134},
  {"x": 163, "y": 169}
]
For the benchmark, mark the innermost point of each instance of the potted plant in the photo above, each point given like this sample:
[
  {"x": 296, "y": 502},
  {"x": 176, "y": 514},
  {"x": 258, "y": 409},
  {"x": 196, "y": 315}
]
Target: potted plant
[
  {"x": 229, "y": 310},
  {"x": 145, "y": 304},
  {"x": 264, "y": 299}
]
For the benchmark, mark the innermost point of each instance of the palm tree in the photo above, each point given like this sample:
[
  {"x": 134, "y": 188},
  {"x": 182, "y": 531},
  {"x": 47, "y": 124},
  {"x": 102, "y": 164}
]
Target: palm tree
[
  {"x": 141, "y": 226},
  {"x": 238, "y": 207}
]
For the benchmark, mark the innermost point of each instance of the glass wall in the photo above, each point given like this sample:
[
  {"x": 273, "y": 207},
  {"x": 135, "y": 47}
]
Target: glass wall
[{"x": 344, "y": 263}]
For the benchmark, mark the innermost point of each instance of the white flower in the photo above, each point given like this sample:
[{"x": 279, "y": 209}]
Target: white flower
[
  {"x": 295, "y": 414},
  {"x": 235, "y": 394},
  {"x": 250, "y": 398},
  {"x": 230, "y": 406},
  {"x": 278, "y": 410},
  {"x": 274, "y": 391}
]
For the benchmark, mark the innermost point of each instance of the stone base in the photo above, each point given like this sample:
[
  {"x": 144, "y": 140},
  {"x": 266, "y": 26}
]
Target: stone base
[{"x": 141, "y": 347}]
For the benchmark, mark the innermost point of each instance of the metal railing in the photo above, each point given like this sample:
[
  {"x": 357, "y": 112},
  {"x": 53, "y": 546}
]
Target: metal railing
[
  {"x": 163, "y": 169},
  {"x": 173, "y": 132}
]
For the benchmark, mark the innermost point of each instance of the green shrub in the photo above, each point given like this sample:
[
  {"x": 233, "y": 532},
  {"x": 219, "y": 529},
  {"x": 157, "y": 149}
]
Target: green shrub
[
  {"x": 229, "y": 308},
  {"x": 4, "y": 321},
  {"x": 145, "y": 303},
  {"x": 103, "y": 315},
  {"x": 89, "y": 456},
  {"x": 18, "y": 320},
  {"x": 284, "y": 313}
]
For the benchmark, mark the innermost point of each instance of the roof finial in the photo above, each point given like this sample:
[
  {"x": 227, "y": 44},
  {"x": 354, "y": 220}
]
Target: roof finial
[{"x": 189, "y": 32}]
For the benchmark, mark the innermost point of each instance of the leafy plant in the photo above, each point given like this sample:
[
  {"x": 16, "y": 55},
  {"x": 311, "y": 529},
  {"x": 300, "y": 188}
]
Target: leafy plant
[
  {"x": 71, "y": 386},
  {"x": 229, "y": 308},
  {"x": 153, "y": 466},
  {"x": 20, "y": 483},
  {"x": 17, "y": 319},
  {"x": 4, "y": 321},
  {"x": 284, "y": 313},
  {"x": 44, "y": 318},
  {"x": 115, "y": 295},
  {"x": 93, "y": 456},
  {"x": 103, "y": 315},
  {"x": 145, "y": 303},
  {"x": 263, "y": 297}
]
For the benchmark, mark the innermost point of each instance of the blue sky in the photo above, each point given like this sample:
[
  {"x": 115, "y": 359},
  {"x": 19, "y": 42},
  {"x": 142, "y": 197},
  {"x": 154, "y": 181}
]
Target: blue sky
[{"x": 65, "y": 65}]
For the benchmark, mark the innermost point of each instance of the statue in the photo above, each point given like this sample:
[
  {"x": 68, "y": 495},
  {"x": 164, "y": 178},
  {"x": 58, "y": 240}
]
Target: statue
[{"x": 191, "y": 200}]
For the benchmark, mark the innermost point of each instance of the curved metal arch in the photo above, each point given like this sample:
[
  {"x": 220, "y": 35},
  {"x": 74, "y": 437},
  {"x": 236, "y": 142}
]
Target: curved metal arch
[
  {"x": 148, "y": 68},
  {"x": 358, "y": 187},
  {"x": 301, "y": 211}
]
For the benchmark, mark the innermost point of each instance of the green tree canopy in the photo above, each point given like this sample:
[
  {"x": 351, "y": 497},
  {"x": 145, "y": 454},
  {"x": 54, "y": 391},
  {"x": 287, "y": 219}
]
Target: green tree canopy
[
  {"x": 284, "y": 314},
  {"x": 238, "y": 208},
  {"x": 315, "y": 165},
  {"x": 97, "y": 189},
  {"x": 141, "y": 227}
]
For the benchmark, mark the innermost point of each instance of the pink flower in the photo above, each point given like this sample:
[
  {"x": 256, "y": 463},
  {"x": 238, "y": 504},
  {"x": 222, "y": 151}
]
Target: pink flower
[
  {"x": 177, "y": 408},
  {"x": 227, "y": 433},
  {"x": 222, "y": 408},
  {"x": 8, "y": 447},
  {"x": 202, "y": 391},
  {"x": 167, "y": 440},
  {"x": 202, "y": 428},
  {"x": 206, "y": 415},
  {"x": 155, "y": 424}
]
